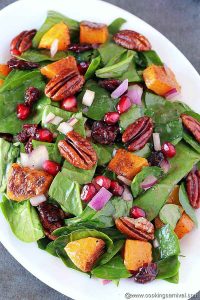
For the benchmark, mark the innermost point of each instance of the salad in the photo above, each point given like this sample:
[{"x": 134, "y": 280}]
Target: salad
[{"x": 99, "y": 161}]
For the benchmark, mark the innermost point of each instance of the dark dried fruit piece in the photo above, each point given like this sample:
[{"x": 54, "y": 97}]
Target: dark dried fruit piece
[
  {"x": 15, "y": 63},
  {"x": 138, "y": 133},
  {"x": 104, "y": 134},
  {"x": 78, "y": 48},
  {"x": 65, "y": 84},
  {"x": 110, "y": 84},
  {"x": 193, "y": 188},
  {"x": 146, "y": 273},
  {"x": 22, "y": 42},
  {"x": 32, "y": 94},
  {"x": 156, "y": 158},
  {"x": 29, "y": 146},
  {"x": 192, "y": 125},
  {"x": 78, "y": 151},
  {"x": 132, "y": 40}
]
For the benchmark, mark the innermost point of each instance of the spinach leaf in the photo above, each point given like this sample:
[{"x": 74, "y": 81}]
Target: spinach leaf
[
  {"x": 168, "y": 243},
  {"x": 154, "y": 199},
  {"x": 134, "y": 113},
  {"x": 173, "y": 279},
  {"x": 131, "y": 73},
  {"x": 106, "y": 257},
  {"x": 104, "y": 153},
  {"x": 43, "y": 55},
  {"x": 102, "y": 102},
  {"x": 140, "y": 177},
  {"x": 57, "y": 112},
  {"x": 92, "y": 67},
  {"x": 114, "y": 269},
  {"x": 170, "y": 214},
  {"x": 52, "y": 19},
  {"x": 144, "y": 152},
  {"x": 76, "y": 174},
  {"x": 66, "y": 193},
  {"x": 170, "y": 131},
  {"x": 115, "y": 26},
  {"x": 183, "y": 198},
  {"x": 147, "y": 58},
  {"x": 110, "y": 53},
  {"x": 168, "y": 267},
  {"x": 52, "y": 149},
  {"x": 23, "y": 220}
]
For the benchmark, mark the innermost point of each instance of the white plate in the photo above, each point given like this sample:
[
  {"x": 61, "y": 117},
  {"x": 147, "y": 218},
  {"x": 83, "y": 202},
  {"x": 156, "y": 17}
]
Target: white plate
[{"x": 31, "y": 14}]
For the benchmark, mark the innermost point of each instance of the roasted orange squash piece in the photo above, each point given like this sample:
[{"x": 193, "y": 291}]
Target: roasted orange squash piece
[
  {"x": 160, "y": 80},
  {"x": 60, "y": 32},
  {"x": 1, "y": 82},
  {"x": 85, "y": 252},
  {"x": 24, "y": 183},
  {"x": 174, "y": 196},
  {"x": 127, "y": 164},
  {"x": 4, "y": 70},
  {"x": 93, "y": 33},
  {"x": 137, "y": 253},
  {"x": 158, "y": 223},
  {"x": 55, "y": 68},
  {"x": 184, "y": 226}
]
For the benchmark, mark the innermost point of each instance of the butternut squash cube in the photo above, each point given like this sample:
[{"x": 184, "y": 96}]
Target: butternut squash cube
[
  {"x": 127, "y": 164},
  {"x": 174, "y": 196},
  {"x": 85, "y": 252},
  {"x": 184, "y": 226},
  {"x": 60, "y": 32},
  {"x": 4, "y": 70},
  {"x": 1, "y": 82},
  {"x": 137, "y": 253},
  {"x": 93, "y": 33},
  {"x": 159, "y": 80},
  {"x": 55, "y": 68},
  {"x": 158, "y": 223}
]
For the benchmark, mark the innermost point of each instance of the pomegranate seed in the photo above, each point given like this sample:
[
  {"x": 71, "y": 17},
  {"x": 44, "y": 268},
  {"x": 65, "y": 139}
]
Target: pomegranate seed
[
  {"x": 103, "y": 181},
  {"x": 111, "y": 118},
  {"x": 44, "y": 135},
  {"x": 23, "y": 111},
  {"x": 69, "y": 104},
  {"x": 124, "y": 104},
  {"x": 168, "y": 149},
  {"x": 82, "y": 67},
  {"x": 115, "y": 188},
  {"x": 15, "y": 52},
  {"x": 136, "y": 212},
  {"x": 88, "y": 192},
  {"x": 51, "y": 167}
]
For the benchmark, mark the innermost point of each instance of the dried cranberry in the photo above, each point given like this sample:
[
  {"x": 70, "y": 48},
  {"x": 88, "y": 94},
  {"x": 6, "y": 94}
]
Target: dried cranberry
[
  {"x": 104, "y": 134},
  {"x": 83, "y": 66},
  {"x": 32, "y": 94},
  {"x": 146, "y": 273},
  {"x": 116, "y": 189},
  {"x": 156, "y": 158},
  {"x": 23, "y": 111},
  {"x": 124, "y": 104},
  {"x": 78, "y": 48},
  {"x": 168, "y": 150},
  {"x": 30, "y": 129},
  {"x": 103, "y": 181},
  {"x": 69, "y": 104},
  {"x": 111, "y": 118},
  {"x": 110, "y": 84},
  {"x": 15, "y": 63},
  {"x": 136, "y": 212},
  {"x": 88, "y": 192},
  {"x": 7, "y": 136},
  {"x": 51, "y": 167},
  {"x": 44, "y": 135},
  {"x": 29, "y": 146}
]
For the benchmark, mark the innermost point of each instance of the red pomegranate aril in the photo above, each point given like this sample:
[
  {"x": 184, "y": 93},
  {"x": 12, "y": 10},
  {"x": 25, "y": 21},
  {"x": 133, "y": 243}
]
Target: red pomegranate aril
[
  {"x": 15, "y": 52},
  {"x": 51, "y": 167},
  {"x": 124, "y": 104},
  {"x": 88, "y": 192},
  {"x": 103, "y": 181},
  {"x": 136, "y": 212},
  {"x": 44, "y": 135},
  {"x": 69, "y": 104},
  {"x": 168, "y": 149},
  {"x": 115, "y": 188},
  {"x": 82, "y": 67},
  {"x": 111, "y": 118},
  {"x": 23, "y": 111}
]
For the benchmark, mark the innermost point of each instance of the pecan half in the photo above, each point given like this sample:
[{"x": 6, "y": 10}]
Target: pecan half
[
  {"x": 192, "y": 125},
  {"x": 193, "y": 188},
  {"x": 138, "y": 229},
  {"x": 132, "y": 40},
  {"x": 78, "y": 151},
  {"x": 65, "y": 84},
  {"x": 23, "y": 41},
  {"x": 138, "y": 133}
]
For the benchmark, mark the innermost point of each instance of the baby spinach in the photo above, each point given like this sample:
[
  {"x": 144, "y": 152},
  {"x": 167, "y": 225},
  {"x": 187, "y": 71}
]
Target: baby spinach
[
  {"x": 170, "y": 214},
  {"x": 52, "y": 149},
  {"x": 76, "y": 174},
  {"x": 145, "y": 151},
  {"x": 110, "y": 53},
  {"x": 154, "y": 199},
  {"x": 183, "y": 198},
  {"x": 43, "y": 55},
  {"x": 134, "y": 113},
  {"x": 168, "y": 267},
  {"x": 92, "y": 67},
  {"x": 173, "y": 279},
  {"x": 102, "y": 102},
  {"x": 23, "y": 220},
  {"x": 66, "y": 193},
  {"x": 57, "y": 112},
  {"x": 140, "y": 177},
  {"x": 147, "y": 58},
  {"x": 115, "y": 26},
  {"x": 104, "y": 153},
  {"x": 131, "y": 73},
  {"x": 106, "y": 257}
]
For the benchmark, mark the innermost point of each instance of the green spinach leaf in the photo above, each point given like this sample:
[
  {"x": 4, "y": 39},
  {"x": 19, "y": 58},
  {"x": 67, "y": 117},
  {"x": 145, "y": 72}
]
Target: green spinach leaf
[
  {"x": 170, "y": 214},
  {"x": 92, "y": 67},
  {"x": 106, "y": 257},
  {"x": 104, "y": 153},
  {"x": 110, "y": 53},
  {"x": 43, "y": 55},
  {"x": 134, "y": 113},
  {"x": 76, "y": 174},
  {"x": 115, "y": 26},
  {"x": 183, "y": 198},
  {"x": 168, "y": 267},
  {"x": 52, "y": 149}
]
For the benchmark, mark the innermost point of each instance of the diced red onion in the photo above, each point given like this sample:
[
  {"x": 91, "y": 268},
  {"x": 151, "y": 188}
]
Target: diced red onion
[
  {"x": 24, "y": 159},
  {"x": 172, "y": 94},
  {"x": 55, "y": 135},
  {"x": 165, "y": 165},
  {"x": 88, "y": 98},
  {"x": 100, "y": 199},
  {"x": 36, "y": 158},
  {"x": 155, "y": 243},
  {"x": 106, "y": 281},
  {"x": 56, "y": 121},
  {"x": 49, "y": 118},
  {"x": 54, "y": 47},
  {"x": 156, "y": 141},
  {"x": 35, "y": 201},
  {"x": 135, "y": 94},
  {"x": 85, "y": 109},
  {"x": 126, "y": 195},
  {"x": 64, "y": 128},
  {"x": 114, "y": 152},
  {"x": 120, "y": 90},
  {"x": 124, "y": 180},
  {"x": 88, "y": 133},
  {"x": 148, "y": 182},
  {"x": 72, "y": 121}
]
